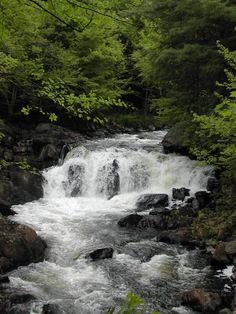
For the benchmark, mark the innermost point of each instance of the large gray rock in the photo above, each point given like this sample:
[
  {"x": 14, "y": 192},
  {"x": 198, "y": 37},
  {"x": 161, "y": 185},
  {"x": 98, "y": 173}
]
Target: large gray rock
[
  {"x": 147, "y": 201},
  {"x": 173, "y": 142},
  {"x": 19, "y": 245},
  {"x": 48, "y": 133}
]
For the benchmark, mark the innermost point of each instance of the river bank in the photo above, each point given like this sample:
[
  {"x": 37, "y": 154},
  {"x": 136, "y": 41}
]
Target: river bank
[{"x": 47, "y": 141}]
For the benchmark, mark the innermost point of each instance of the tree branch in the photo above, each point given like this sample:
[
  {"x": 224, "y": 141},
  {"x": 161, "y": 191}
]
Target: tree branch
[
  {"x": 55, "y": 16},
  {"x": 98, "y": 12}
]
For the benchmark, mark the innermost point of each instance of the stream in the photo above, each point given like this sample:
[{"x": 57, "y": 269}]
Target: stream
[{"x": 79, "y": 213}]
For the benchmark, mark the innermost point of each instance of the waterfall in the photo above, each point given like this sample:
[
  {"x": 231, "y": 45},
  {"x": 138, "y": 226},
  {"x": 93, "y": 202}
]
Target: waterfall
[{"x": 84, "y": 197}]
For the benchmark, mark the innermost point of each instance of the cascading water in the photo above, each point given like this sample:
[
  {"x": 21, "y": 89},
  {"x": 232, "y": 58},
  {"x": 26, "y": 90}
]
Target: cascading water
[{"x": 83, "y": 200}]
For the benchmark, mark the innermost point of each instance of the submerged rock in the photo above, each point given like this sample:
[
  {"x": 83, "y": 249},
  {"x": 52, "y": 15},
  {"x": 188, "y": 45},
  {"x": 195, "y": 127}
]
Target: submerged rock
[
  {"x": 101, "y": 254},
  {"x": 180, "y": 194},
  {"x": 202, "y": 301},
  {"x": 147, "y": 201},
  {"x": 19, "y": 245}
]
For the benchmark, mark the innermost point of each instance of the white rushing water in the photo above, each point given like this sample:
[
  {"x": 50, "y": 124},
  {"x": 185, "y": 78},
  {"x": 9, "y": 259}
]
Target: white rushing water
[{"x": 78, "y": 214}]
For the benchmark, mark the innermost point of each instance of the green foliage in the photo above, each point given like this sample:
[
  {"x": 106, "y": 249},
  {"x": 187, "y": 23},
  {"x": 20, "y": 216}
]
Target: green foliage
[
  {"x": 134, "y": 305},
  {"x": 217, "y": 132},
  {"x": 80, "y": 50}
]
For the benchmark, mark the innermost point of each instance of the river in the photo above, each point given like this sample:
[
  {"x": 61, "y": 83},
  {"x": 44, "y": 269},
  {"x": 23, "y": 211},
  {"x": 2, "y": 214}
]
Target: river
[{"x": 78, "y": 215}]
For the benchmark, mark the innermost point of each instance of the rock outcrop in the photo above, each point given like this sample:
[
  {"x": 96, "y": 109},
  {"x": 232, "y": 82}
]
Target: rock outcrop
[
  {"x": 18, "y": 186},
  {"x": 19, "y": 245}
]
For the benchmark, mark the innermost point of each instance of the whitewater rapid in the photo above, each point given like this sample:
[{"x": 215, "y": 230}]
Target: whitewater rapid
[{"x": 79, "y": 213}]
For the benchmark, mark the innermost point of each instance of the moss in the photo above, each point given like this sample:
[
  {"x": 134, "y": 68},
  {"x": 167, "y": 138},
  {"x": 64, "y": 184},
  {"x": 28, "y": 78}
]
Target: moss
[{"x": 23, "y": 165}]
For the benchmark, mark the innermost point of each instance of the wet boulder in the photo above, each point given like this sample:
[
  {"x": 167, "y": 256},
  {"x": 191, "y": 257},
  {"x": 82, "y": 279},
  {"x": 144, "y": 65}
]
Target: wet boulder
[
  {"x": 147, "y": 201},
  {"x": 180, "y": 194},
  {"x": 203, "y": 198},
  {"x": 101, "y": 254},
  {"x": 19, "y": 245},
  {"x": 202, "y": 301},
  {"x": 109, "y": 179},
  {"x": 5, "y": 208},
  {"x": 130, "y": 220}
]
